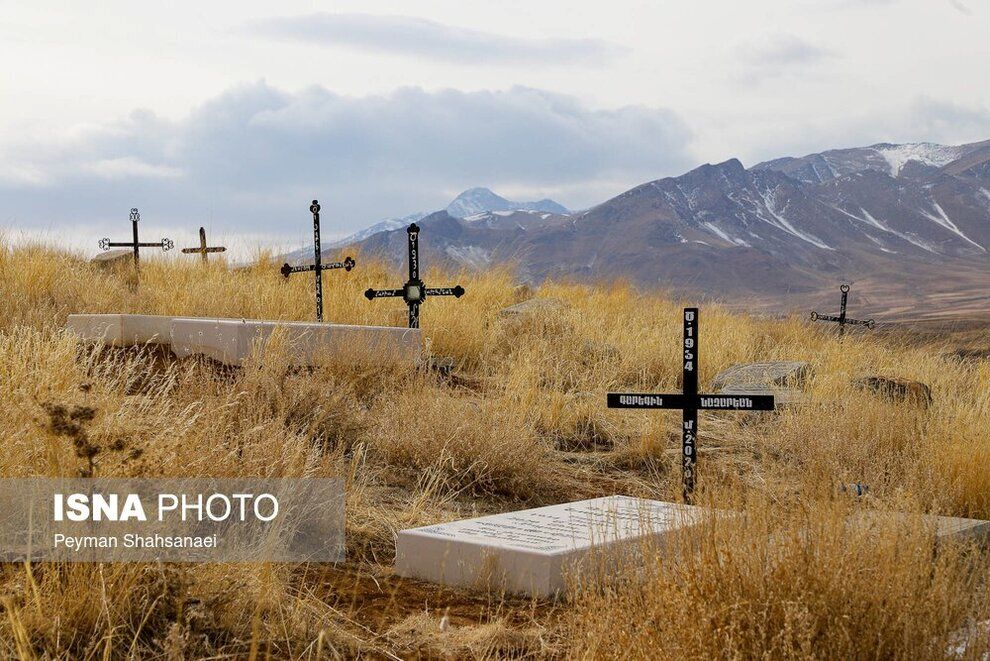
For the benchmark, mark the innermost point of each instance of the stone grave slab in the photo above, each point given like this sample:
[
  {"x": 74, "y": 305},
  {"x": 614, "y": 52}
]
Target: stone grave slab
[
  {"x": 121, "y": 330},
  {"x": 113, "y": 257},
  {"x": 782, "y": 378},
  {"x": 945, "y": 527},
  {"x": 531, "y": 551},
  {"x": 230, "y": 341}
]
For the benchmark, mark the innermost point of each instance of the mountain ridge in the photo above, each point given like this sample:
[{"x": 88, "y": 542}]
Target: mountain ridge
[{"x": 787, "y": 227}]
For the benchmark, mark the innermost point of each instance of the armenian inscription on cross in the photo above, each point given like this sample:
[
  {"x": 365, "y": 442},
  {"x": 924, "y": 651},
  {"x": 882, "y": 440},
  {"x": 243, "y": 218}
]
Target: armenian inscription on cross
[
  {"x": 164, "y": 244},
  {"x": 690, "y": 402},
  {"x": 203, "y": 249},
  {"x": 842, "y": 320},
  {"x": 318, "y": 267},
  {"x": 414, "y": 292}
]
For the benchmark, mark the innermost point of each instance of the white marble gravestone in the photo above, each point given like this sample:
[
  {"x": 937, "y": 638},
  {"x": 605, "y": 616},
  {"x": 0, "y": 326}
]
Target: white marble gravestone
[
  {"x": 232, "y": 341},
  {"x": 533, "y": 550}
]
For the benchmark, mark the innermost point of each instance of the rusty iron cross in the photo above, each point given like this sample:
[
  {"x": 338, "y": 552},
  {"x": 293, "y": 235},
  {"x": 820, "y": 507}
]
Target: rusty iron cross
[
  {"x": 317, "y": 266},
  {"x": 690, "y": 402},
  {"x": 203, "y": 249},
  {"x": 842, "y": 320},
  {"x": 415, "y": 291},
  {"x": 164, "y": 244}
]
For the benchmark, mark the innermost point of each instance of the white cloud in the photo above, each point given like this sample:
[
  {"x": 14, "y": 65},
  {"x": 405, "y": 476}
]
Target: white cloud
[
  {"x": 255, "y": 155},
  {"x": 420, "y": 37}
]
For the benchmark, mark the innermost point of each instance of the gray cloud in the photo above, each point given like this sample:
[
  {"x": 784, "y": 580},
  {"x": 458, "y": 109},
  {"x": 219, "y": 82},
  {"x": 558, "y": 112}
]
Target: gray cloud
[
  {"x": 255, "y": 155},
  {"x": 960, "y": 7},
  {"x": 778, "y": 55},
  {"x": 419, "y": 37}
]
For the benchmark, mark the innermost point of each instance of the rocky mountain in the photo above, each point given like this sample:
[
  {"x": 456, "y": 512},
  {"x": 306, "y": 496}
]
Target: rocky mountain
[
  {"x": 789, "y": 230},
  {"x": 478, "y": 200}
]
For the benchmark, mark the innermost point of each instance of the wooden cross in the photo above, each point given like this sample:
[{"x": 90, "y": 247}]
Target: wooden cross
[
  {"x": 317, "y": 266},
  {"x": 690, "y": 402},
  {"x": 203, "y": 249},
  {"x": 414, "y": 292},
  {"x": 164, "y": 244},
  {"x": 841, "y": 319}
]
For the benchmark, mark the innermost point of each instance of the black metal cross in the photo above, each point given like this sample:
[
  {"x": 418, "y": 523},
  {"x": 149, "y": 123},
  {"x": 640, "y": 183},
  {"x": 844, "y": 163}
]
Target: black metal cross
[
  {"x": 841, "y": 319},
  {"x": 414, "y": 292},
  {"x": 164, "y": 244},
  {"x": 203, "y": 249},
  {"x": 690, "y": 402},
  {"x": 317, "y": 266}
]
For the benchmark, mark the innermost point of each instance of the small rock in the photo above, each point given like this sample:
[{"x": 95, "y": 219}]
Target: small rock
[{"x": 896, "y": 389}]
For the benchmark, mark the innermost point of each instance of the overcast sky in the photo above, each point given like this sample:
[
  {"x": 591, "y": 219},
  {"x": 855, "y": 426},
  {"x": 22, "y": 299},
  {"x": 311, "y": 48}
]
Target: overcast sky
[{"x": 236, "y": 114}]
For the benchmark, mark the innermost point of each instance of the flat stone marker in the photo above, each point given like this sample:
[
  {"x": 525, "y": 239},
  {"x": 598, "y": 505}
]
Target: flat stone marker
[
  {"x": 122, "y": 330},
  {"x": 112, "y": 257},
  {"x": 231, "y": 341},
  {"x": 531, "y": 551},
  {"x": 945, "y": 527},
  {"x": 783, "y": 378}
]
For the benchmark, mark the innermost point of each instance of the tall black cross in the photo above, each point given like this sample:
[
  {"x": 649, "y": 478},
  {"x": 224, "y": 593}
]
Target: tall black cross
[
  {"x": 164, "y": 244},
  {"x": 203, "y": 249},
  {"x": 841, "y": 319},
  {"x": 414, "y": 292},
  {"x": 690, "y": 402},
  {"x": 317, "y": 266}
]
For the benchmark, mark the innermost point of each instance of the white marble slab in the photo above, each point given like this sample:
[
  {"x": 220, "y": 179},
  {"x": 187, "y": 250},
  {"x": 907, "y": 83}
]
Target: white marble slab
[
  {"x": 532, "y": 551},
  {"x": 231, "y": 341},
  {"x": 121, "y": 330}
]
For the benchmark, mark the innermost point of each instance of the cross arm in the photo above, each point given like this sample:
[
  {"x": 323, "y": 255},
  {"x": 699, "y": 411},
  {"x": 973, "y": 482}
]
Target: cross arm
[
  {"x": 736, "y": 402},
  {"x": 202, "y": 250},
  {"x": 457, "y": 291},
  {"x": 287, "y": 270},
  {"x": 372, "y": 294},
  {"x": 347, "y": 265},
  {"x": 824, "y": 317},
  {"x": 632, "y": 400},
  {"x": 869, "y": 323}
]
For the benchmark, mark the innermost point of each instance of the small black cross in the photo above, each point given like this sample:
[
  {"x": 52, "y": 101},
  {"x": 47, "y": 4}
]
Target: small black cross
[
  {"x": 690, "y": 402},
  {"x": 317, "y": 266},
  {"x": 414, "y": 292},
  {"x": 164, "y": 244},
  {"x": 203, "y": 249},
  {"x": 841, "y": 319}
]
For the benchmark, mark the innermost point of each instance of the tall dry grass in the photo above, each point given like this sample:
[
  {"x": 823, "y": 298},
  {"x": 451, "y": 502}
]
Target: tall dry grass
[{"x": 522, "y": 424}]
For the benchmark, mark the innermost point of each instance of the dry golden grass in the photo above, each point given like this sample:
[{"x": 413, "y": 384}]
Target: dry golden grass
[{"x": 523, "y": 424}]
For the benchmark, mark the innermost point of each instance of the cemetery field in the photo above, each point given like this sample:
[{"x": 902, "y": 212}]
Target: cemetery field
[{"x": 519, "y": 422}]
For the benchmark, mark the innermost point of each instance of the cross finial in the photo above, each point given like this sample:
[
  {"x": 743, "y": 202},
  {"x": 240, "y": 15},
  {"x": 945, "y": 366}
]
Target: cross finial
[{"x": 135, "y": 216}]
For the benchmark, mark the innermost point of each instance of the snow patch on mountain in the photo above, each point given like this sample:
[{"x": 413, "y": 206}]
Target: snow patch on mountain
[
  {"x": 723, "y": 235},
  {"x": 472, "y": 256},
  {"x": 943, "y": 220},
  {"x": 780, "y": 222},
  {"x": 897, "y": 156},
  {"x": 869, "y": 219},
  {"x": 985, "y": 192}
]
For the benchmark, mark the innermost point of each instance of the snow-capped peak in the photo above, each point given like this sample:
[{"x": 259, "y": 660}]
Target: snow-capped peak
[
  {"x": 928, "y": 153},
  {"x": 477, "y": 200}
]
